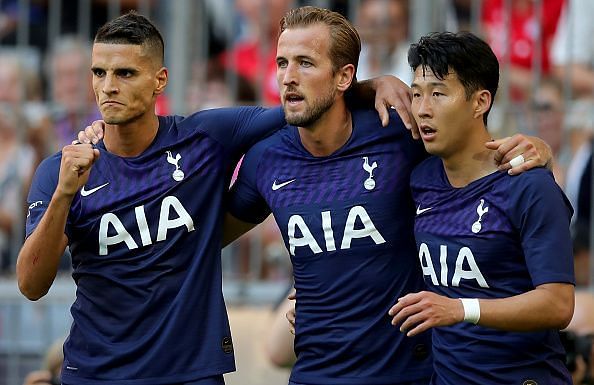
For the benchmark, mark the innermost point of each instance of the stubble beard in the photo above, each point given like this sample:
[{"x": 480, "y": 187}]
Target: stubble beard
[
  {"x": 312, "y": 114},
  {"x": 120, "y": 120}
]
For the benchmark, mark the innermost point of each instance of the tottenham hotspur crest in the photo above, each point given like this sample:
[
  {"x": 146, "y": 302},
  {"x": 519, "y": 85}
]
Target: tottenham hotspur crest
[
  {"x": 178, "y": 174},
  {"x": 369, "y": 182},
  {"x": 480, "y": 210}
]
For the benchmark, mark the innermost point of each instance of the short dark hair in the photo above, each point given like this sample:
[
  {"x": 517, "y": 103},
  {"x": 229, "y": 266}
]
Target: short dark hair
[
  {"x": 467, "y": 55},
  {"x": 132, "y": 28},
  {"x": 345, "y": 45}
]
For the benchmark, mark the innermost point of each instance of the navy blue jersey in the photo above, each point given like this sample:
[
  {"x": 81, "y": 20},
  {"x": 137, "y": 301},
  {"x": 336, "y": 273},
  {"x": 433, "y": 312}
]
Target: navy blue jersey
[
  {"x": 497, "y": 237},
  {"x": 145, "y": 238},
  {"x": 347, "y": 221}
]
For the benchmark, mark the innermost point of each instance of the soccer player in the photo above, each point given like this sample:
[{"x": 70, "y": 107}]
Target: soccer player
[
  {"x": 147, "y": 311},
  {"x": 142, "y": 215},
  {"x": 338, "y": 186},
  {"x": 495, "y": 250}
]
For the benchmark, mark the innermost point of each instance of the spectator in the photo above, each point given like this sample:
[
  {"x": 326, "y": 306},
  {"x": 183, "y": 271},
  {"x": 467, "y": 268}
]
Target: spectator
[
  {"x": 49, "y": 374},
  {"x": 383, "y": 25},
  {"x": 12, "y": 79},
  {"x": 20, "y": 88},
  {"x": 582, "y": 329},
  {"x": 578, "y": 181},
  {"x": 526, "y": 39},
  {"x": 209, "y": 89},
  {"x": 9, "y": 22},
  {"x": 71, "y": 93},
  {"x": 573, "y": 49},
  {"x": 254, "y": 55},
  {"x": 548, "y": 112},
  {"x": 16, "y": 166}
]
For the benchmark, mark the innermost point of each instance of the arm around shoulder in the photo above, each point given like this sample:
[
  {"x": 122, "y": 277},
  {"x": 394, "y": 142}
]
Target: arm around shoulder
[{"x": 234, "y": 228}]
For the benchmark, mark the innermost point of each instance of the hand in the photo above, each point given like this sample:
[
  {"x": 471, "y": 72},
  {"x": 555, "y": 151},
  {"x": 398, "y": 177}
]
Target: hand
[
  {"x": 391, "y": 92},
  {"x": 423, "y": 310},
  {"x": 91, "y": 134},
  {"x": 77, "y": 160},
  {"x": 38, "y": 377},
  {"x": 291, "y": 314},
  {"x": 535, "y": 151}
]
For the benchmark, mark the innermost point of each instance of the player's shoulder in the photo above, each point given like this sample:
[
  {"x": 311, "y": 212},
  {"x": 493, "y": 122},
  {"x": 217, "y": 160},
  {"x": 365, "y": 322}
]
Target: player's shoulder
[
  {"x": 51, "y": 162},
  {"x": 48, "y": 170},
  {"x": 368, "y": 119},
  {"x": 427, "y": 170},
  {"x": 279, "y": 138},
  {"x": 212, "y": 118},
  {"x": 537, "y": 184},
  {"x": 532, "y": 180}
]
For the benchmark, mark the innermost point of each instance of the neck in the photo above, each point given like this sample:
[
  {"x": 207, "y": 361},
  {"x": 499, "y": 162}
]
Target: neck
[
  {"x": 131, "y": 139},
  {"x": 330, "y": 132},
  {"x": 471, "y": 162}
]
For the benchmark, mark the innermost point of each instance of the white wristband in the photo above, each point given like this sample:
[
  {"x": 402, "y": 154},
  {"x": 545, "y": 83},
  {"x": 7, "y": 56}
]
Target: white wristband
[{"x": 472, "y": 310}]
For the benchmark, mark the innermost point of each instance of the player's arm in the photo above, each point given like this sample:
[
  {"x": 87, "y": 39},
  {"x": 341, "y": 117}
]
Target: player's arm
[
  {"x": 548, "y": 306},
  {"x": 234, "y": 228},
  {"x": 280, "y": 339},
  {"x": 534, "y": 152},
  {"x": 541, "y": 212},
  {"x": 385, "y": 92},
  {"x": 39, "y": 257}
]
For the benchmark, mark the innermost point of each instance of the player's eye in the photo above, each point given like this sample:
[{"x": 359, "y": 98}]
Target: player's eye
[
  {"x": 305, "y": 63},
  {"x": 98, "y": 72},
  {"x": 124, "y": 73},
  {"x": 281, "y": 63}
]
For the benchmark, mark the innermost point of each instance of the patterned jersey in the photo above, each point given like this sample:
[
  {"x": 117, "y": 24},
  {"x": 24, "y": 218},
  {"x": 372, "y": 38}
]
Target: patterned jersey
[
  {"x": 347, "y": 221},
  {"x": 498, "y": 237},
  {"x": 145, "y": 237}
]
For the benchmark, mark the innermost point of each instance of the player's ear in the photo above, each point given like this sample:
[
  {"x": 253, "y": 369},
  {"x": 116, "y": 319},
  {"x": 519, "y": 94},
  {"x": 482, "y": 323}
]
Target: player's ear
[
  {"x": 161, "y": 80},
  {"x": 345, "y": 76},
  {"x": 482, "y": 102}
]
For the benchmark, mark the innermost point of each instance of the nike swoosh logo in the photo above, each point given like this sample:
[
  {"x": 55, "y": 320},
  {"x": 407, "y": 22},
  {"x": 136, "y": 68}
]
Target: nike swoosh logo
[
  {"x": 421, "y": 211},
  {"x": 276, "y": 186},
  {"x": 86, "y": 193}
]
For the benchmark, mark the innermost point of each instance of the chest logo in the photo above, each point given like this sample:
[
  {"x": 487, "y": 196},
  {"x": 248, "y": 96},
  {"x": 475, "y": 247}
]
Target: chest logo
[
  {"x": 86, "y": 193},
  {"x": 421, "y": 211},
  {"x": 277, "y": 186},
  {"x": 369, "y": 183},
  {"x": 480, "y": 210},
  {"x": 178, "y": 174}
]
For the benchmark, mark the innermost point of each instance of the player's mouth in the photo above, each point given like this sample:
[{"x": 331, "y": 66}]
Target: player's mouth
[
  {"x": 427, "y": 132},
  {"x": 109, "y": 103},
  {"x": 293, "y": 98}
]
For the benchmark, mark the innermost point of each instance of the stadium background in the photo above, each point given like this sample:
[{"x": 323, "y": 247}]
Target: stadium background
[{"x": 220, "y": 53}]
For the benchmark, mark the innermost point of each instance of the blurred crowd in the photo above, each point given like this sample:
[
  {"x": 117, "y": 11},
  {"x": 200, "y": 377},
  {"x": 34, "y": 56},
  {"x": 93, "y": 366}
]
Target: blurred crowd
[{"x": 547, "y": 87}]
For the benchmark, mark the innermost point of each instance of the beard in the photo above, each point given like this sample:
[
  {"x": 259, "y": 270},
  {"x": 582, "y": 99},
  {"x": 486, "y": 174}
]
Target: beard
[
  {"x": 120, "y": 119},
  {"x": 311, "y": 114}
]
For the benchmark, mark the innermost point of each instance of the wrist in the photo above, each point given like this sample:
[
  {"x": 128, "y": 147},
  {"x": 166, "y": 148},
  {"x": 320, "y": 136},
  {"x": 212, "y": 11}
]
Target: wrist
[
  {"x": 63, "y": 196},
  {"x": 472, "y": 310}
]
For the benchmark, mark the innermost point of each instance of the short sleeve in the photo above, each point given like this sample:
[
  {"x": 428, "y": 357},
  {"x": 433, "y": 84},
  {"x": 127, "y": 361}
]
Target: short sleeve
[
  {"x": 542, "y": 213},
  {"x": 245, "y": 202},
  {"x": 42, "y": 188},
  {"x": 237, "y": 128}
]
